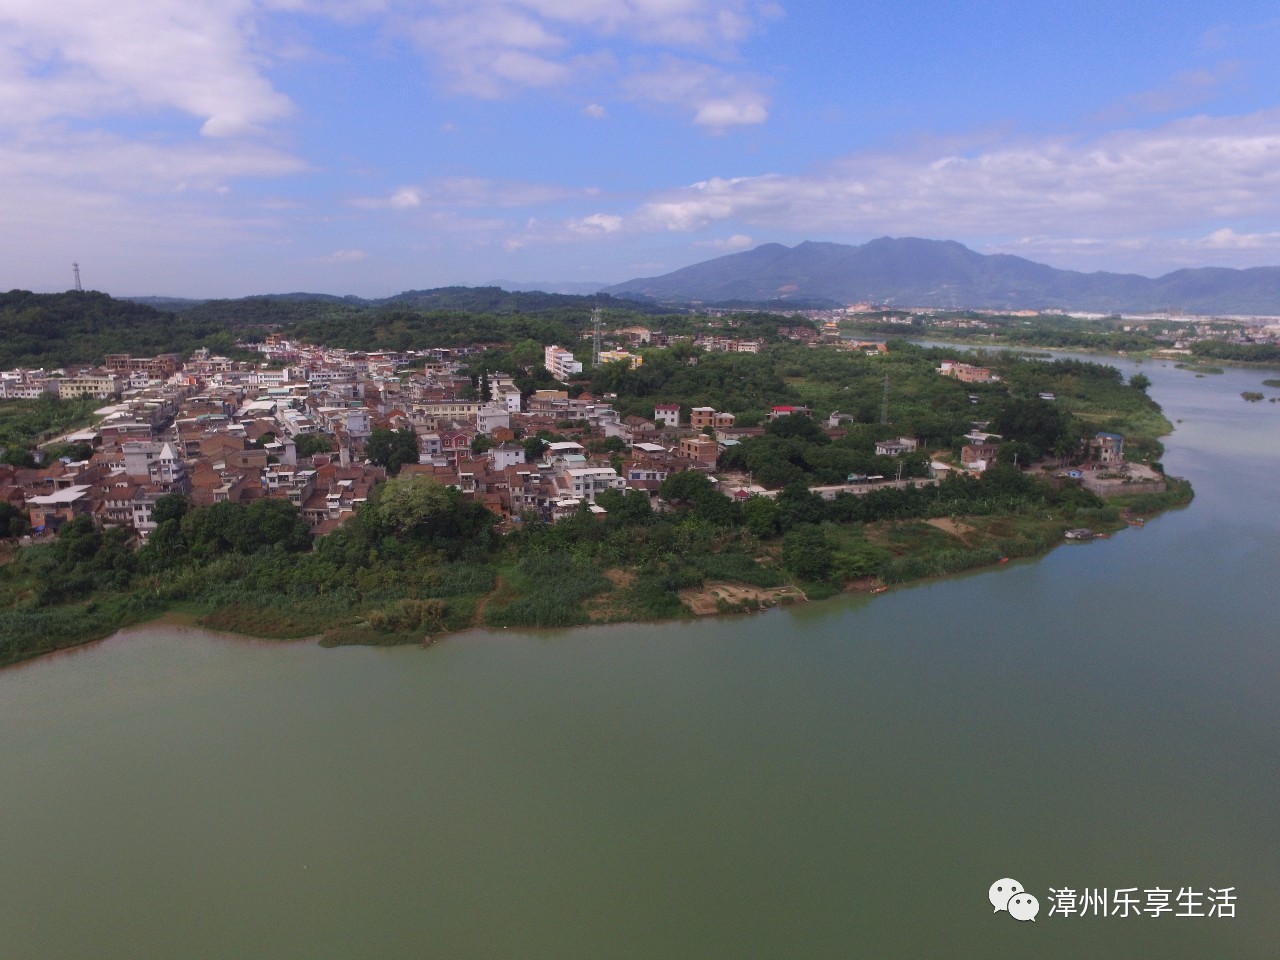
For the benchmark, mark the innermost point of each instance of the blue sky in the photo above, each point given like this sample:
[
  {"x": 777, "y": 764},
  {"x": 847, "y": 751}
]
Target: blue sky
[{"x": 230, "y": 147}]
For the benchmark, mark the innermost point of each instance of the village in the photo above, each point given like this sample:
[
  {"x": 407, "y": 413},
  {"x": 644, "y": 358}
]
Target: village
[{"x": 297, "y": 425}]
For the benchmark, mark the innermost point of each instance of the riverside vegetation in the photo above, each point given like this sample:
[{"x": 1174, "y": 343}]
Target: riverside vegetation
[{"x": 420, "y": 560}]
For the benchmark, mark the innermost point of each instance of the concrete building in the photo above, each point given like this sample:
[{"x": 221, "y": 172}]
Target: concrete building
[
  {"x": 560, "y": 362},
  {"x": 668, "y": 414},
  {"x": 896, "y": 448}
]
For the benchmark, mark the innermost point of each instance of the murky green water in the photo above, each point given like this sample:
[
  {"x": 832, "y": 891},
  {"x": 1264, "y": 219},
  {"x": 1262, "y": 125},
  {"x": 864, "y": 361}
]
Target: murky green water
[{"x": 842, "y": 780}]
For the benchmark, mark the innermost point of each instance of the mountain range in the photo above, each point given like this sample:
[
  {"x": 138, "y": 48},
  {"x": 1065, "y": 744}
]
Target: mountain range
[{"x": 912, "y": 272}]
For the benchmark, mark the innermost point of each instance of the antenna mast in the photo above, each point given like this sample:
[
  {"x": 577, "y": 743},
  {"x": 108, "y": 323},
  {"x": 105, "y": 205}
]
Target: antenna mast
[
  {"x": 75, "y": 269},
  {"x": 595, "y": 321}
]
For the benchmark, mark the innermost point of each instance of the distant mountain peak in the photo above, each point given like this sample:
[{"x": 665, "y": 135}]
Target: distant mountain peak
[{"x": 917, "y": 272}]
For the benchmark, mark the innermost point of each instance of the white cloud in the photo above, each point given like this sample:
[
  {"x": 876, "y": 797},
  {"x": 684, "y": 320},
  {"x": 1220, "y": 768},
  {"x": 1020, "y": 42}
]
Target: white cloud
[
  {"x": 596, "y": 224},
  {"x": 493, "y": 48},
  {"x": 720, "y": 114},
  {"x": 1228, "y": 239},
  {"x": 1190, "y": 88},
  {"x": 343, "y": 256},
  {"x": 1188, "y": 177},
  {"x": 111, "y": 163},
  {"x": 739, "y": 241},
  {"x": 455, "y": 192},
  {"x": 595, "y": 111},
  {"x": 78, "y": 58},
  {"x": 719, "y": 99},
  {"x": 406, "y": 198}
]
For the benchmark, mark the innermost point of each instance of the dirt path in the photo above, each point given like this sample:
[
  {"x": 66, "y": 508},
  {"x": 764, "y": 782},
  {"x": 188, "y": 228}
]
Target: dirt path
[{"x": 498, "y": 586}]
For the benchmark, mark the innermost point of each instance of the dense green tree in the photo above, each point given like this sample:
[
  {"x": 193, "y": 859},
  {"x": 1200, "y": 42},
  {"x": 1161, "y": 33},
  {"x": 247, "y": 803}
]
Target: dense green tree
[
  {"x": 798, "y": 426},
  {"x": 808, "y": 553},
  {"x": 1037, "y": 423},
  {"x": 687, "y": 486},
  {"x": 172, "y": 506},
  {"x": 75, "y": 452},
  {"x": 761, "y": 515},
  {"x": 534, "y": 448},
  {"x": 13, "y": 521},
  {"x": 273, "y": 521},
  {"x": 422, "y": 510},
  {"x": 309, "y": 444},
  {"x": 392, "y": 448}
]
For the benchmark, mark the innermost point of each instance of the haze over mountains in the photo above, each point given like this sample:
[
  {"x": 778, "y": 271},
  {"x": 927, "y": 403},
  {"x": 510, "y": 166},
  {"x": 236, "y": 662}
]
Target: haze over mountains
[{"x": 911, "y": 272}]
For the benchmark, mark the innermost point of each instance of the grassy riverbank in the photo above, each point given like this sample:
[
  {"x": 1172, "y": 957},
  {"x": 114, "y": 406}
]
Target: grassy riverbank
[
  {"x": 575, "y": 573},
  {"x": 420, "y": 561}
]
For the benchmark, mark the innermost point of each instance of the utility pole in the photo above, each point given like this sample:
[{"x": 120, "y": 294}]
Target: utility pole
[{"x": 75, "y": 269}]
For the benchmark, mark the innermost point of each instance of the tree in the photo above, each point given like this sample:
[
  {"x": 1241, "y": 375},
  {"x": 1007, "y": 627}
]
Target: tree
[
  {"x": 534, "y": 448},
  {"x": 798, "y": 425},
  {"x": 525, "y": 354},
  {"x": 1140, "y": 381},
  {"x": 273, "y": 521},
  {"x": 808, "y": 554},
  {"x": 172, "y": 506},
  {"x": 392, "y": 449},
  {"x": 1037, "y": 423},
  {"x": 687, "y": 486},
  {"x": 422, "y": 509},
  {"x": 13, "y": 522},
  {"x": 797, "y": 505},
  {"x": 761, "y": 514},
  {"x": 71, "y": 451},
  {"x": 309, "y": 444}
]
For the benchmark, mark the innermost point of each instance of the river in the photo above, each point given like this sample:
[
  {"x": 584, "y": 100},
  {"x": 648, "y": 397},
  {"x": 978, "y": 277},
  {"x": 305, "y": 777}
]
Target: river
[{"x": 843, "y": 779}]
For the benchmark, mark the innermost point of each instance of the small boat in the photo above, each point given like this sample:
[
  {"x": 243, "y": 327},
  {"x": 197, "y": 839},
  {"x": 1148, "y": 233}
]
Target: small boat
[
  {"x": 875, "y": 590},
  {"x": 1136, "y": 522},
  {"x": 1003, "y": 560}
]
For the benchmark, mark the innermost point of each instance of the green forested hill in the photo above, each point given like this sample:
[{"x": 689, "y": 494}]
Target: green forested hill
[
  {"x": 56, "y": 329},
  {"x": 50, "y": 330}
]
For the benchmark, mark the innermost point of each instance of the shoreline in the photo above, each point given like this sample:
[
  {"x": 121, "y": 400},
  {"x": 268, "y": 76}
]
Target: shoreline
[
  {"x": 1136, "y": 357},
  {"x": 182, "y": 620}
]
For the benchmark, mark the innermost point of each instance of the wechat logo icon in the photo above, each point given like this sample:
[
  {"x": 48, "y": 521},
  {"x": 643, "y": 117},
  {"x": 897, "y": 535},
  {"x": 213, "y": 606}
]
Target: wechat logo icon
[{"x": 1009, "y": 895}]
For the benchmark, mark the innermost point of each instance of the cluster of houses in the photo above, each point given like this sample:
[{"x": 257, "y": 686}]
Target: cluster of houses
[
  {"x": 296, "y": 426},
  {"x": 219, "y": 430}
]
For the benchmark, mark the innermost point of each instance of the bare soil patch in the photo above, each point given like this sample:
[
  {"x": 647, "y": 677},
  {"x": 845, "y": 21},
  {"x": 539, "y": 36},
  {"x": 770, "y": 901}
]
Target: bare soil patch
[
  {"x": 715, "y": 596},
  {"x": 953, "y": 527}
]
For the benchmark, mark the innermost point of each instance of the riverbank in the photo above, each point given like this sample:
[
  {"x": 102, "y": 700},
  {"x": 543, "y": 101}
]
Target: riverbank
[
  {"x": 421, "y": 559},
  {"x": 902, "y": 552}
]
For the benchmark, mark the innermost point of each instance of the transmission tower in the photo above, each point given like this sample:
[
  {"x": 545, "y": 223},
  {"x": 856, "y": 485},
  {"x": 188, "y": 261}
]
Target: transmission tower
[
  {"x": 595, "y": 323},
  {"x": 75, "y": 269},
  {"x": 884, "y": 404}
]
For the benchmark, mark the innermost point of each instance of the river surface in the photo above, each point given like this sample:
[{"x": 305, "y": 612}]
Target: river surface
[{"x": 839, "y": 780}]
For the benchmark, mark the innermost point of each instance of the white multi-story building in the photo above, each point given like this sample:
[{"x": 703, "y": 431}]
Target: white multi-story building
[
  {"x": 560, "y": 362},
  {"x": 583, "y": 483}
]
